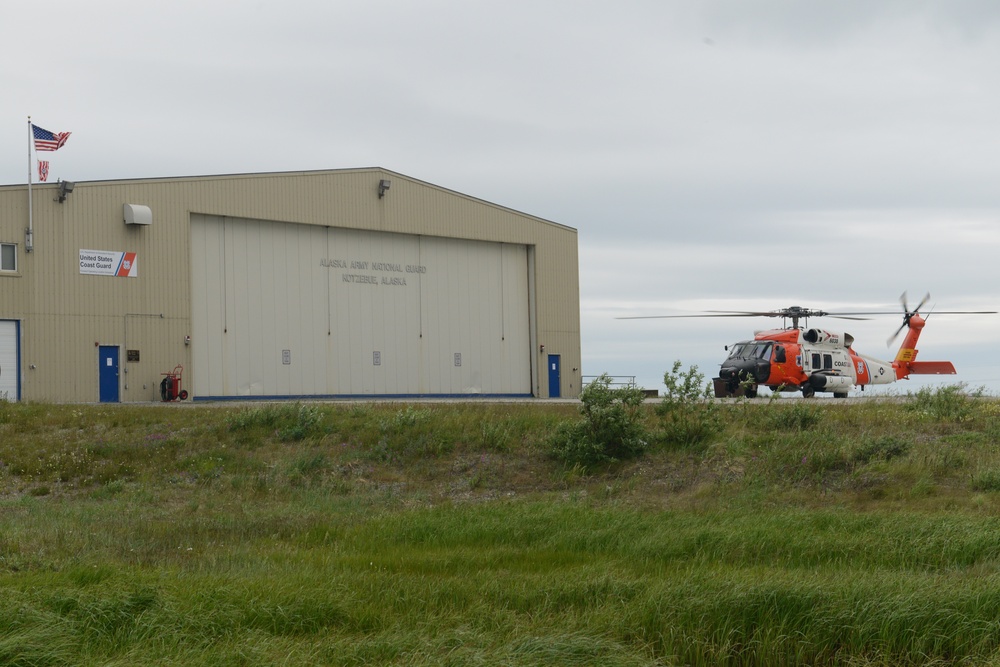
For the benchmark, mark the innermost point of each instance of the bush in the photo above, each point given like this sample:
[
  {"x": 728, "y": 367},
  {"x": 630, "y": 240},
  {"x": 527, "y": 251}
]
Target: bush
[
  {"x": 612, "y": 427},
  {"x": 689, "y": 417},
  {"x": 951, "y": 403}
]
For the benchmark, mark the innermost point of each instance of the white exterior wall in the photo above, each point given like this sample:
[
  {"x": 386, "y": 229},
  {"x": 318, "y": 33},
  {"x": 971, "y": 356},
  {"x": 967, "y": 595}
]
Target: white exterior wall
[
  {"x": 301, "y": 310},
  {"x": 9, "y": 370}
]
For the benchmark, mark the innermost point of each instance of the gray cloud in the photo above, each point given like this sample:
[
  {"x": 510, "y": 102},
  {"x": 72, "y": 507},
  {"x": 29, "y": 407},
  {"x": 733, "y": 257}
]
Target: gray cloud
[{"x": 712, "y": 154}]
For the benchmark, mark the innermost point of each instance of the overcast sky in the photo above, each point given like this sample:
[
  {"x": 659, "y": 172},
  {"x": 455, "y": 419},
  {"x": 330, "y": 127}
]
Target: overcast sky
[{"x": 712, "y": 154}]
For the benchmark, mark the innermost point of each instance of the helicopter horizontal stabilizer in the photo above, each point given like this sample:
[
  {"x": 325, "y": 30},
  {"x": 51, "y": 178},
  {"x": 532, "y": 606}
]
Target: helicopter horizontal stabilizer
[{"x": 931, "y": 368}]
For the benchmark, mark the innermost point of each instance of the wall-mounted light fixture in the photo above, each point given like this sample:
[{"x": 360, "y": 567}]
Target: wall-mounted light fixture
[
  {"x": 65, "y": 187},
  {"x": 137, "y": 214},
  {"x": 383, "y": 186}
]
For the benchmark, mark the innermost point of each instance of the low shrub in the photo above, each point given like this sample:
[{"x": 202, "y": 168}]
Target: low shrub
[
  {"x": 611, "y": 429},
  {"x": 951, "y": 403},
  {"x": 688, "y": 416}
]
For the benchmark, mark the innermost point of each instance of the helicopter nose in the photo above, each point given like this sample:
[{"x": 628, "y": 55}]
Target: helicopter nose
[
  {"x": 728, "y": 373},
  {"x": 758, "y": 370}
]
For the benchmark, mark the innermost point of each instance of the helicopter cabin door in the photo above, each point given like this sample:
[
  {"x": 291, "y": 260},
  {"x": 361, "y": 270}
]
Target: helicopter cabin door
[
  {"x": 816, "y": 361},
  {"x": 811, "y": 361}
]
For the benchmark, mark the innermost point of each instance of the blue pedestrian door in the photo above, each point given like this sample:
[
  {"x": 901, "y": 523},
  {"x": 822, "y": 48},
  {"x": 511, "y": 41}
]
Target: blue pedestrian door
[
  {"x": 108, "y": 372},
  {"x": 554, "y": 377}
]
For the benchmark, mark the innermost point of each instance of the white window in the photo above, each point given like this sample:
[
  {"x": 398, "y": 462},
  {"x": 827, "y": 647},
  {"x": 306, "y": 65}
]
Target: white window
[{"x": 8, "y": 257}]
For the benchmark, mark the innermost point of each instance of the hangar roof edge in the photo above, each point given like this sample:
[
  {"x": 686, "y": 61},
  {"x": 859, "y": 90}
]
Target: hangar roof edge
[{"x": 304, "y": 172}]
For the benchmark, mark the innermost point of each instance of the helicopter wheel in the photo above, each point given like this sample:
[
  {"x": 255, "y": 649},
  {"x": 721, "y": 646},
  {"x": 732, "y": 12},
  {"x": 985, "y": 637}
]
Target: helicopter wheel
[
  {"x": 750, "y": 392},
  {"x": 808, "y": 392},
  {"x": 840, "y": 394}
]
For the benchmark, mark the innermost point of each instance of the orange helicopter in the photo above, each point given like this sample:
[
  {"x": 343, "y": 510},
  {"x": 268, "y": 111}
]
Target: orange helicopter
[{"x": 814, "y": 360}]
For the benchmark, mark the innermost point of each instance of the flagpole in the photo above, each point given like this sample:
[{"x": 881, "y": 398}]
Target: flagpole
[{"x": 29, "y": 241}]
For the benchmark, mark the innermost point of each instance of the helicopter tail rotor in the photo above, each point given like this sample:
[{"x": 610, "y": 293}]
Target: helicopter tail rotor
[
  {"x": 923, "y": 302},
  {"x": 907, "y": 315}
]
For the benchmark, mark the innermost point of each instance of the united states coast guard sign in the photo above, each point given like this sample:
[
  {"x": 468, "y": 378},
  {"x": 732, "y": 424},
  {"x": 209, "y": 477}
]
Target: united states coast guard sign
[{"x": 109, "y": 263}]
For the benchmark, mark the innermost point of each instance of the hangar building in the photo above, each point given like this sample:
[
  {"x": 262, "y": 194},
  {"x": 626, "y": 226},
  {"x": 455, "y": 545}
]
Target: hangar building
[{"x": 340, "y": 283}]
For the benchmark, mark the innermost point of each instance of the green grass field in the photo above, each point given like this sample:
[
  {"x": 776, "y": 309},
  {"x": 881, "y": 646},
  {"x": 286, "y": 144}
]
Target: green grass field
[{"x": 432, "y": 534}]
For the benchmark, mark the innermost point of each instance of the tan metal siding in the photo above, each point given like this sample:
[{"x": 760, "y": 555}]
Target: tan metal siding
[{"x": 64, "y": 314}]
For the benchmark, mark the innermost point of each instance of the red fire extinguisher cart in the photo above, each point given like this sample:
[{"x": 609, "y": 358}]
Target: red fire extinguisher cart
[{"x": 170, "y": 386}]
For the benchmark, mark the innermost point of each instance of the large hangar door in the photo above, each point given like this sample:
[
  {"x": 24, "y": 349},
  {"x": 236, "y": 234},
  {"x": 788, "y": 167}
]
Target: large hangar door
[
  {"x": 10, "y": 371},
  {"x": 474, "y": 305},
  {"x": 283, "y": 309}
]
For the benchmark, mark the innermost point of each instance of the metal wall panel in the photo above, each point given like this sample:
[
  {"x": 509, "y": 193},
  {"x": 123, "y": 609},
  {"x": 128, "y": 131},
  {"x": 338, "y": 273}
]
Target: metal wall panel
[{"x": 294, "y": 310}]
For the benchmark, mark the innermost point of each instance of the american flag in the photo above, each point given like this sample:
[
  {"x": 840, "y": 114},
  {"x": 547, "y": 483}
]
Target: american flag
[
  {"x": 43, "y": 170},
  {"x": 48, "y": 141}
]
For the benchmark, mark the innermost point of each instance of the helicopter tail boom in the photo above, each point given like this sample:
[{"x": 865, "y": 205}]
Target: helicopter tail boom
[
  {"x": 906, "y": 363},
  {"x": 908, "y": 350}
]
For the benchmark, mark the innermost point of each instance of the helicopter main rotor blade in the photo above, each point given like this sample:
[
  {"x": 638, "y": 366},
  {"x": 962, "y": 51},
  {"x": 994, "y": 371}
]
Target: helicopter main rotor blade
[
  {"x": 674, "y": 317},
  {"x": 796, "y": 313},
  {"x": 746, "y": 313},
  {"x": 965, "y": 312},
  {"x": 841, "y": 316}
]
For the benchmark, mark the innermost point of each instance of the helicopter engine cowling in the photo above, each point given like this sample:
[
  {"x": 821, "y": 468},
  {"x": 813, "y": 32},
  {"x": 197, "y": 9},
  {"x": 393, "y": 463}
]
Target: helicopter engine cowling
[
  {"x": 828, "y": 382},
  {"x": 828, "y": 338}
]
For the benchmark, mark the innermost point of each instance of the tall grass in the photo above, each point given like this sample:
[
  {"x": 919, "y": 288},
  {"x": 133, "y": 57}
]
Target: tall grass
[
  {"x": 800, "y": 533},
  {"x": 524, "y": 582}
]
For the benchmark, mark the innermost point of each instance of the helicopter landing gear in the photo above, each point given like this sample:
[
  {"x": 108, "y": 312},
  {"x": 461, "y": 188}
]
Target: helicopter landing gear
[
  {"x": 840, "y": 394},
  {"x": 750, "y": 392},
  {"x": 808, "y": 392}
]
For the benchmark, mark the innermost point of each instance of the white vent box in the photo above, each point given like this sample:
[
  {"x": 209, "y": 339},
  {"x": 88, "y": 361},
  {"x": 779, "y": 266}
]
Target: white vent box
[{"x": 137, "y": 214}]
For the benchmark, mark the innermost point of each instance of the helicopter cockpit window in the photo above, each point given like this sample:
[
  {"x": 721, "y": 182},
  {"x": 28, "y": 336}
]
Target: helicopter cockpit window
[
  {"x": 738, "y": 349},
  {"x": 750, "y": 350}
]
